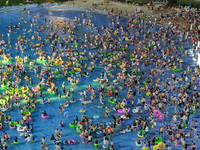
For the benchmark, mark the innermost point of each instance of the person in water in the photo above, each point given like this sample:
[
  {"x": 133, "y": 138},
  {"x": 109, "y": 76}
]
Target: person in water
[
  {"x": 16, "y": 140},
  {"x": 139, "y": 141},
  {"x": 45, "y": 113},
  {"x": 62, "y": 123}
]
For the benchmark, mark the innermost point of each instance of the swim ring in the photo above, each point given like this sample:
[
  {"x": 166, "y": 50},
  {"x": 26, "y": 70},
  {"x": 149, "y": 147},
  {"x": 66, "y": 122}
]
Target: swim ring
[
  {"x": 45, "y": 117},
  {"x": 71, "y": 142}
]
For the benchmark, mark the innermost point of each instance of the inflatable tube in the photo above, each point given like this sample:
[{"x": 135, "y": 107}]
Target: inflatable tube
[
  {"x": 164, "y": 56},
  {"x": 96, "y": 144},
  {"x": 58, "y": 141},
  {"x": 82, "y": 110},
  {"x": 76, "y": 44},
  {"x": 29, "y": 119},
  {"x": 158, "y": 139},
  {"x": 78, "y": 130},
  {"x": 128, "y": 100},
  {"x": 123, "y": 131},
  {"x": 82, "y": 136},
  {"x": 66, "y": 114},
  {"x": 95, "y": 116},
  {"x": 124, "y": 117},
  {"x": 45, "y": 101},
  {"x": 16, "y": 98},
  {"x": 37, "y": 44},
  {"x": 104, "y": 146},
  {"x": 122, "y": 105},
  {"x": 21, "y": 128},
  {"x": 161, "y": 117},
  {"x": 85, "y": 122},
  {"x": 135, "y": 73},
  {"x": 156, "y": 113},
  {"x": 187, "y": 135},
  {"x": 41, "y": 87},
  {"x": 3, "y": 86},
  {"x": 66, "y": 105},
  {"x": 119, "y": 124},
  {"x": 84, "y": 141},
  {"x": 12, "y": 122},
  {"x": 86, "y": 75},
  {"x": 75, "y": 83},
  {"x": 145, "y": 83},
  {"x": 107, "y": 111},
  {"x": 13, "y": 143},
  {"x": 138, "y": 144},
  {"x": 82, "y": 59},
  {"x": 65, "y": 142},
  {"x": 40, "y": 61},
  {"x": 189, "y": 70},
  {"x": 143, "y": 132},
  {"x": 71, "y": 142},
  {"x": 6, "y": 62},
  {"x": 59, "y": 71},
  {"x": 77, "y": 69},
  {"x": 52, "y": 93},
  {"x": 26, "y": 111},
  {"x": 99, "y": 132},
  {"x": 135, "y": 111},
  {"x": 112, "y": 102},
  {"x": 8, "y": 79},
  {"x": 6, "y": 121},
  {"x": 58, "y": 77},
  {"x": 128, "y": 130},
  {"x": 176, "y": 70},
  {"x": 160, "y": 146},
  {"x": 120, "y": 111},
  {"x": 71, "y": 72},
  {"x": 45, "y": 117},
  {"x": 140, "y": 135},
  {"x": 73, "y": 125},
  {"x": 12, "y": 127},
  {"x": 35, "y": 89},
  {"x": 183, "y": 125},
  {"x": 72, "y": 101}
]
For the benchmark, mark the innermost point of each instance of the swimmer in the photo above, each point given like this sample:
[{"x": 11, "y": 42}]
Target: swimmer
[
  {"x": 48, "y": 100},
  {"x": 66, "y": 104},
  {"x": 62, "y": 123},
  {"x": 52, "y": 138},
  {"x": 28, "y": 138},
  {"x": 72, "y": 89},
  {"x": 139, "y": 141},
  {"x": 61, "y": 110},
  {"x": 45, "y": 113},
  {"x": 16, "y": 140},
  {"x": 21, "y": 133}
]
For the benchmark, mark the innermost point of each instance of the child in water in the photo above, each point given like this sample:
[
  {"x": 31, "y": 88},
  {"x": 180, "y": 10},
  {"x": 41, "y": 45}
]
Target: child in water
[{"x": 44, "y": 113}]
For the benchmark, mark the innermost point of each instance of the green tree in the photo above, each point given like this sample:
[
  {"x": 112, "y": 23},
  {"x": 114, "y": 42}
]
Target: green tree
[{"x": 172, "y": 2}]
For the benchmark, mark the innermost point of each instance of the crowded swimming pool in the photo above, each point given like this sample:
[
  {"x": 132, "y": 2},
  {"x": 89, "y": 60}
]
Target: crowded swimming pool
[{"x": 122, "y": 82}]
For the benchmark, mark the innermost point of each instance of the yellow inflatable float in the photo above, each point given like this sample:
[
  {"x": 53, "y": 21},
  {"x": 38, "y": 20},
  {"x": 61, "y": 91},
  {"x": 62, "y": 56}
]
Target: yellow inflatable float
[{"x": 159, "y": 146}]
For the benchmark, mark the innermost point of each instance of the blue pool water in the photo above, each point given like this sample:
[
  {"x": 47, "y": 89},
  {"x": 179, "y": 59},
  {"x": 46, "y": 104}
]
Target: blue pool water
[{"x": 46, "y": 127}]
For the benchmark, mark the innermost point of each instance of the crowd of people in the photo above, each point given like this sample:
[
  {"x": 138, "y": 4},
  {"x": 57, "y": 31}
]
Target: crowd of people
[{"x": 146, "y": 77}]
